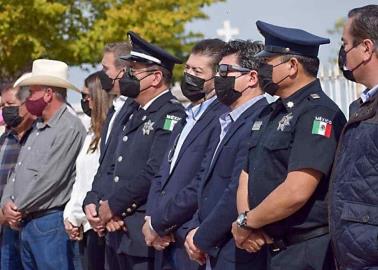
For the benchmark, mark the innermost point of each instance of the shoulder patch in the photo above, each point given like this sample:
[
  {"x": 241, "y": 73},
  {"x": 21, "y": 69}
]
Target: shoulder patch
[
  {"x": 322, "y": 126},
  {"x": 174, "y": 101},
  {"x": 314, "y": 96},
  {"x": 170, "y": 121}
]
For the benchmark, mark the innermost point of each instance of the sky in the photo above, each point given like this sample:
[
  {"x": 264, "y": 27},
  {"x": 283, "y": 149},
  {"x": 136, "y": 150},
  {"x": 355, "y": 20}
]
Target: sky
[{"x": 313, "y": 16}]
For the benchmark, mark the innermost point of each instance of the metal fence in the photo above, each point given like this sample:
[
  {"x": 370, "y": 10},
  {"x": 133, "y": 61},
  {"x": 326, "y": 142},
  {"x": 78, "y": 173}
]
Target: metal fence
[{"x": 341, "y": 91}]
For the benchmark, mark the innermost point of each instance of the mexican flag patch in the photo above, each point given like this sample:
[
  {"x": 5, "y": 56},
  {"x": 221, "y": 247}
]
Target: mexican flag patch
[
  {"x": 322, "y": 126},
  {"x": 170, "y": 122}
]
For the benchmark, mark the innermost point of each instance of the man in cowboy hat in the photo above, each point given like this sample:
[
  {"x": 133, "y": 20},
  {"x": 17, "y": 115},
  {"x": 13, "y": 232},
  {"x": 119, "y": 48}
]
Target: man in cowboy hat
[{"x": 41, "y": 183}]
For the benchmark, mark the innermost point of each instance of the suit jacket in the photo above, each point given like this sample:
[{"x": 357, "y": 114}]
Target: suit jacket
[
  {"x": 195, "y": 147},
  {"x": 217, "y": 195},
  {"x": 139, "y": 155},
  {"x": 103, "y": 177},
  {"x": 354, "y": 106},
  {"x": 167, "y": 184}
]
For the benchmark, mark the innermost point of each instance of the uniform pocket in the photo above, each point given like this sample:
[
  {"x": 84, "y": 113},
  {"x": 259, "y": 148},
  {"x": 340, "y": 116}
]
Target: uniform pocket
[{"x": 280, "y": 142}]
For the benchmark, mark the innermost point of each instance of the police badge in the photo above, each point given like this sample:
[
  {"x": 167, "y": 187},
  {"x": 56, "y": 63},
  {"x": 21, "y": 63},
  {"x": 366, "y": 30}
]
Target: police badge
[
  {"x": 285, "y": 121},
  {"x": 147, "y": 127}
]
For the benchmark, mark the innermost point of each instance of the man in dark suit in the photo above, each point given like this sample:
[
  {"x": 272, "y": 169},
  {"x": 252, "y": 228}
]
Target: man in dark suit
[
  {"x": 190, "y": 142},
  {"x": 139, "y": 152},
  {"x": 237, "y": 86},
  {"x": 118, "y": 114}
]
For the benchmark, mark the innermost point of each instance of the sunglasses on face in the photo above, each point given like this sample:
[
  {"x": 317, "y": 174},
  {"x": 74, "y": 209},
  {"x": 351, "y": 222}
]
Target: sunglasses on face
[
  {"x": 132, "y": 72},
  {"x": 224, "y": 69},
  {"x": 84, "y": 96}
]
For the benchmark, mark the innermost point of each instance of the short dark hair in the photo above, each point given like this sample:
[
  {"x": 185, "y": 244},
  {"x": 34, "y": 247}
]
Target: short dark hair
[
  {"x": 167, "y": 74},
  {"x": 246, "y": 51},
  {"x": 22, "y": 92},
  {"x": 6, "y": 87},
  {"x": 60, "y": 92},
  {"x": 364, "y": 24},
  {"x": 118, "y": 49},
  {"x": 212, "y": 48},
  {"x": 309, "y": 64}
]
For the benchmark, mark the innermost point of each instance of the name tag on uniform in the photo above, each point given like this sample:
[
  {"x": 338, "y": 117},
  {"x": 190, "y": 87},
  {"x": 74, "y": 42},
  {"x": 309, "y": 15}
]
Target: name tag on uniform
[{"x": 256, "y": 125}]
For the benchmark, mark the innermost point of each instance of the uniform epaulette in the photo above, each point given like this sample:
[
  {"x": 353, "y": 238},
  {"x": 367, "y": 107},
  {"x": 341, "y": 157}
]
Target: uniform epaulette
[{"x": 174, "y": 101}]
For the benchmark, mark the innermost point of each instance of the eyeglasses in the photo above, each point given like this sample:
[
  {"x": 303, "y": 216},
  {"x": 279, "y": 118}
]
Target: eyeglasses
[
  {"x": 224, "y": 69},
  {"x": 85, "y": 96},
  {"x": 132, "y": 72}
]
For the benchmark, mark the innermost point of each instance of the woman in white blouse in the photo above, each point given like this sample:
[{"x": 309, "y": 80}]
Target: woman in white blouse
[{"x": 95, "y": 103}]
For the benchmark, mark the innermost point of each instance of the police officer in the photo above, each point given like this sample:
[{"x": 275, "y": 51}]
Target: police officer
[
  {"x": 282, "y": 189},
  {"x": 190, "y": 142},
  {"x": 354, "y": 191},
  {"x": 140, "y": 151}
]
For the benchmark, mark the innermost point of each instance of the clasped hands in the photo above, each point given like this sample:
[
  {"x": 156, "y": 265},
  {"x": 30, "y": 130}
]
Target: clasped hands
[
  {"x": 104, "y": 220},
  {"x": 251, "y": 240},
  {"x": 152, "y": 239}
]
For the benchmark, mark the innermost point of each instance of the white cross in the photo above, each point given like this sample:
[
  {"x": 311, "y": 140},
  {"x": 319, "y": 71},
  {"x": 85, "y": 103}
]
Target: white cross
[{"x": 227, "y": 32}]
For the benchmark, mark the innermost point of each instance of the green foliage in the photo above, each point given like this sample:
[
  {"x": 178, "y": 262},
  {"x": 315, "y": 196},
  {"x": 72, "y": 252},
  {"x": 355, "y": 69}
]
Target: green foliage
[
  {"x": 337, "y": 29},
  {"x": 75, "y": 31}
]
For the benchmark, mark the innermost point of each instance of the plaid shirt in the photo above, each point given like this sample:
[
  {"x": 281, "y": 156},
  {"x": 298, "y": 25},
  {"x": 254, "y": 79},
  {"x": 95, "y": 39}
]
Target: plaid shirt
[{"x": 10, "y": 147}]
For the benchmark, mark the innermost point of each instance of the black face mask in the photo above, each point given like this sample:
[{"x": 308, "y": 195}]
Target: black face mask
[
  {"x": 129, "y": 85},
  {"x": 107, "y": 83},
  {"x": 224, "y": 88},
  {"x": 11, "y": 116},
  {"x": 85, "y": 107},
  {"x": 192, "y": 87},
  {"x": 266, "y": 78},
  {"x": 348, "y": 73}
]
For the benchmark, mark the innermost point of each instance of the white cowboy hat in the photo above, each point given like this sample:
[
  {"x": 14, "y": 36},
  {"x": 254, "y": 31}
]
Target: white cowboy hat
[{"x": 47, "y": 72}]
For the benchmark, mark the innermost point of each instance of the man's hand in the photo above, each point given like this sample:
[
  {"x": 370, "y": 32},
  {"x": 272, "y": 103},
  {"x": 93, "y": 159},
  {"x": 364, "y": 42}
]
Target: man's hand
[
  {"x": 115, "y": 224},
  {"x": 240, "y": 234},
  {"x": 255, "y": 241},
  {"x": 105, "y": 212},
  {"x": 149, "y": 235},
  {"x": 93, "y": 218},
  {"x": 72, "y": 231},
  {"x": 250, "y": 240},
  {"x": 11, "y": 214},
  {"x": 161, "y": 243},
  {"x": 2, "y": 217},
  {"x": 194, "y": 253},
  {"x": 153, "y": 239}
]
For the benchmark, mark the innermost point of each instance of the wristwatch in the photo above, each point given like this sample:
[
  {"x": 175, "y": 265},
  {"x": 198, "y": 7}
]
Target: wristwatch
[{"x": 241, "y": 221}]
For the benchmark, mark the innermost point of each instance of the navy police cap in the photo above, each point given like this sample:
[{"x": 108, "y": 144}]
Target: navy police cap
[
  {"x": 283, "y": 40},
  {"x": 145, "y": 52}
]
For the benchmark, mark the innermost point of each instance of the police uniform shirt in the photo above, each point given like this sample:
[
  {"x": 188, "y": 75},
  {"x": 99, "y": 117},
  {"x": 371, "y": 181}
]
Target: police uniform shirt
[{"x": 291, "y": 134}]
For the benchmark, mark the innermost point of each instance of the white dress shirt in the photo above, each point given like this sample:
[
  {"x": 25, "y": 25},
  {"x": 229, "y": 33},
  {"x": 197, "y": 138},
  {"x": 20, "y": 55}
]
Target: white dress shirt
[
  {"x": 118, "y": 104},
  {"x": 86, "y": 168}
]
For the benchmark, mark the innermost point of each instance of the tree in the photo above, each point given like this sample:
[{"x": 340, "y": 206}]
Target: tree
[{"x": 75, "y": 31}]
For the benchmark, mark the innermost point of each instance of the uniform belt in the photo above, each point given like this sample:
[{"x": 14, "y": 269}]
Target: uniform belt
[
  {"x": 41, "y": 213},
  {"x": 297, "y": 237}
]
